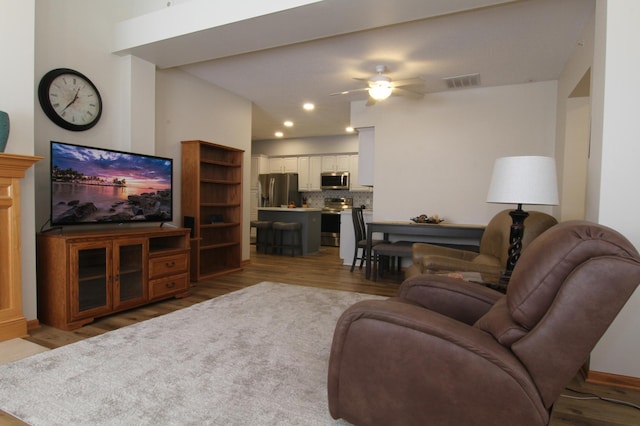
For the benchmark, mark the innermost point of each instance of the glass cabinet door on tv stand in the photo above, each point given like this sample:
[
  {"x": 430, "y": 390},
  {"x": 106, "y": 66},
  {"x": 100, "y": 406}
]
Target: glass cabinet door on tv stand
[
  {"x": 130, "y": 285},
  {"x": 109, "y": 276},
  {"x": 90, "y": 275}
]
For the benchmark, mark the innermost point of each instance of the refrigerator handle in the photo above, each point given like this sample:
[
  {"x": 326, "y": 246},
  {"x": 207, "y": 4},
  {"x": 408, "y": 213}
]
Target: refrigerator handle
[{"x": 272, "y": 184}]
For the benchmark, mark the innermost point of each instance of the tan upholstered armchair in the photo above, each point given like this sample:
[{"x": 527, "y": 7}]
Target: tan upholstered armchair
[
  {"x": 449, "y": 352},
  {"x": 494, "y": 248}
]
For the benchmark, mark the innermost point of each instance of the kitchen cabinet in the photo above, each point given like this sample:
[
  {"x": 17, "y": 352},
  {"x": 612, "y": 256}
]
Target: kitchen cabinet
[
  {"x": 309, "y": 169},
  {"x": 259, "y": 165},
  {"x": 86, "y": 275},
  {"x": 335, "y": 163},
  {"x": 354, "y": 176},
  {"x": 283, "y": 164}
]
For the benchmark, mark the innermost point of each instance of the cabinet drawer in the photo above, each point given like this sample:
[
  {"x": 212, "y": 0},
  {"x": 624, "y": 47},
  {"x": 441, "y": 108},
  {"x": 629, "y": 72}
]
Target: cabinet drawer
[
  {"x": 168, "y": 265},
  {"x": 168, "y": 285}
]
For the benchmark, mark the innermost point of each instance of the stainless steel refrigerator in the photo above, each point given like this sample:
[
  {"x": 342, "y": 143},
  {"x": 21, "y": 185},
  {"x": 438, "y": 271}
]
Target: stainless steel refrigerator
[{"x": 278, "y": 189}]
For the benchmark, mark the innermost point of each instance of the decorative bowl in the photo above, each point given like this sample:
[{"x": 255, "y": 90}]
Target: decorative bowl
[{"x": 423, "y": 218}]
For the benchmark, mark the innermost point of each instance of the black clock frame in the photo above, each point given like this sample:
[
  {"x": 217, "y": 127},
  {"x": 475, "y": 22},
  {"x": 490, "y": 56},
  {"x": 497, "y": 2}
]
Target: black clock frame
[{"x": 45, "y": 103}]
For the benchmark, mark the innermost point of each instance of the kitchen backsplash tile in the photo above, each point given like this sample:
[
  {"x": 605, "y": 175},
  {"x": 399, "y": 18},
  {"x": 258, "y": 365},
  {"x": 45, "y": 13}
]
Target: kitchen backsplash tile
[{"x": 316, "y": 199}]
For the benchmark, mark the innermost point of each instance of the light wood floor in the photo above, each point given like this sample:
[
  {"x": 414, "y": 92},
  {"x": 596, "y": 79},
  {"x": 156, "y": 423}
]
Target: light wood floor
[{"x": 325, "y": 270}]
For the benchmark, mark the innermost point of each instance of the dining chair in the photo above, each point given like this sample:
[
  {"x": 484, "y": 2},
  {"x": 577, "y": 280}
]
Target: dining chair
[{"x": 360, "y": 232}]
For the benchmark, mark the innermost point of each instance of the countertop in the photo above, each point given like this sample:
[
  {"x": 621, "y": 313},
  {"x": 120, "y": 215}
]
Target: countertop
[
  {"x": 365, "y": 211},
  {"x": 287, "y": 209}
]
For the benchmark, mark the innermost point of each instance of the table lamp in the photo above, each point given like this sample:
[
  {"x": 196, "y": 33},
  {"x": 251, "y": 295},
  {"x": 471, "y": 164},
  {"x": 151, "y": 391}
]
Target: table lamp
[{"x": 522, "y": 180}]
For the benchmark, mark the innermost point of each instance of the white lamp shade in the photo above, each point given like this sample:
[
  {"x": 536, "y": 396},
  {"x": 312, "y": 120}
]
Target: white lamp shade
[{"x": 524, "y": 180}]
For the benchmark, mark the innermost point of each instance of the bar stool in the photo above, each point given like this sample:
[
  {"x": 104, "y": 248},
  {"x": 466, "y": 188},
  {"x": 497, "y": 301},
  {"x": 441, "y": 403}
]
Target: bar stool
[
  {"x": 279, "y": 236},
  {"x": 263, "y": 239}
]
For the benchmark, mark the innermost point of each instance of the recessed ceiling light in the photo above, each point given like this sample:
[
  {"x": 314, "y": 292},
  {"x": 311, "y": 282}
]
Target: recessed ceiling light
[
  {"x": 308, "y": 106},
  {"x": 279, "y": 134},
  {"x": 288, "y": 123},
  {"x": 349, "y": 129}
]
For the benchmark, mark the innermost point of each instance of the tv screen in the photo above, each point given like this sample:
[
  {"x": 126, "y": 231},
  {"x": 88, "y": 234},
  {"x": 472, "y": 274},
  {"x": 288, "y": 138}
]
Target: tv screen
[{"x": 96, "y": 185}]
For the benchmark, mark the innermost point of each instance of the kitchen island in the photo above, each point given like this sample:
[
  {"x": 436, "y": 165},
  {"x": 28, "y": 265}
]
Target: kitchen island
[{"x": 309, "y": 217}]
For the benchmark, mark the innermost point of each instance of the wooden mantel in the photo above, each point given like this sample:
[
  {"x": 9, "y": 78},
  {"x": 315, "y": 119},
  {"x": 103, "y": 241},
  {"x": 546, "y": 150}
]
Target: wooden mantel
[{"x": 12, "y": 168}]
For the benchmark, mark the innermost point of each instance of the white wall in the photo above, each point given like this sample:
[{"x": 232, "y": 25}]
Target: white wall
[
  {"x": 191, "y": 109},
  {"x": 615, "y": 152},
  {"x": 17, "y": 95},
  {"x": 435, "y": 156},
  {"x": 76, "y": 34},
  {"x": 573, "y": 127}
]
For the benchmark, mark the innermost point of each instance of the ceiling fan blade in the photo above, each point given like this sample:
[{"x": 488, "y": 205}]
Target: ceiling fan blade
[
  {"x": 348, "y": 92},
  {"x": 408, "y": 93},
  {"x": 370, "y": 101},
  {"x": 408, "y": 82}
]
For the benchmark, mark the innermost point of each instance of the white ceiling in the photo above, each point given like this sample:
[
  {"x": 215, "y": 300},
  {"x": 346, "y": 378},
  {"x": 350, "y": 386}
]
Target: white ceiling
[{"x": 512, "y": 43}]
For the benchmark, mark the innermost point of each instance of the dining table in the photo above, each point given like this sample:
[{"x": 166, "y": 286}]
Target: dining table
[{"x": 427, "y": 233}]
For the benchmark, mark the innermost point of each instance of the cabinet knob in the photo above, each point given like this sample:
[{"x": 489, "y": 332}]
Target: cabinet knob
[
  {"x": 170, "y": 264},
  {"x": 172, "y": 284}
]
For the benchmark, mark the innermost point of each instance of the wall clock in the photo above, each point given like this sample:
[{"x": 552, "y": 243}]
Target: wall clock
[{"x": 70, "y": 99}]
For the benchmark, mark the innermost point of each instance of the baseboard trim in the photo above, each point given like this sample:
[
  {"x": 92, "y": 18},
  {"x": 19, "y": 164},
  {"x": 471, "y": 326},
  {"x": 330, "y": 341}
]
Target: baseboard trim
[
  {"x": 614, "y": 380},
  {"x": 33, "y": 324}
]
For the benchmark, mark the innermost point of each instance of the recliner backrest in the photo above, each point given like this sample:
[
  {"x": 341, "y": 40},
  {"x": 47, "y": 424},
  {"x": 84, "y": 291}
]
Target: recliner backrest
[
  {"x": 495, "y": 239},
  {"x": 564, "y": 292}
]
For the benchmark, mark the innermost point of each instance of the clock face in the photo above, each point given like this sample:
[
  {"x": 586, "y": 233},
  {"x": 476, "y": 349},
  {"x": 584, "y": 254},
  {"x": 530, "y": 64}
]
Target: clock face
[{"x": 70, "y": 99}]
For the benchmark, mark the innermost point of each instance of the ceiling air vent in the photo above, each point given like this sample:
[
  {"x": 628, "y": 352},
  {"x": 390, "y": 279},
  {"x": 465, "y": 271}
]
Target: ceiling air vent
[{"x": 460, "y": 81}]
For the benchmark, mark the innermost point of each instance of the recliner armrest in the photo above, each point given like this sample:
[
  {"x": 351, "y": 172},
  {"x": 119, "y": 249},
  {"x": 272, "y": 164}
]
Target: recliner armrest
[
  {"x": 452, "y": 297},
  {"x": 432, "y": 264}
]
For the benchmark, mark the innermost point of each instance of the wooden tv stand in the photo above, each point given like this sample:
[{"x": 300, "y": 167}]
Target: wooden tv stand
[{"x": 83, "y": 275}]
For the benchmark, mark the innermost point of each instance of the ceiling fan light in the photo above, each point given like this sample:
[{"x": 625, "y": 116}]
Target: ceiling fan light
[{"x": 380, "y": 90}]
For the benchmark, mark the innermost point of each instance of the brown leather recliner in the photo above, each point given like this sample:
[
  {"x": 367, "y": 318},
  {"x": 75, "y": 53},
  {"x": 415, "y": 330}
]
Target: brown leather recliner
[
  {"x": 493, "y": 253},
  {"x": 449, "y": 352}
]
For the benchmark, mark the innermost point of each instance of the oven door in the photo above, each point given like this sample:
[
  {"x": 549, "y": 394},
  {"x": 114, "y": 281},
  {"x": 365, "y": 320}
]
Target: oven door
[{"x": 330, "y": 229}]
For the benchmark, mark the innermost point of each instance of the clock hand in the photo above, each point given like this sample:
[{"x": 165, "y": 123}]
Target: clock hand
[{"x": 75, "y": 98}]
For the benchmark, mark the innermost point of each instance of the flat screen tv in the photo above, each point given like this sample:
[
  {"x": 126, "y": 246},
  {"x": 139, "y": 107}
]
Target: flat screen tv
[{"x": 96, "y": 185}]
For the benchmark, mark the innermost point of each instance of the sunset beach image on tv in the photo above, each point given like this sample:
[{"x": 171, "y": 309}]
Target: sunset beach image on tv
[{"x": 94, "y": 185}]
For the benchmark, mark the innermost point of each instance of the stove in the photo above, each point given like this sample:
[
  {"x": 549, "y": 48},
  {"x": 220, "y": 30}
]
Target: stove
[
  {"x": 330, "y": 225},
  {"x": 337, "y": 204}
]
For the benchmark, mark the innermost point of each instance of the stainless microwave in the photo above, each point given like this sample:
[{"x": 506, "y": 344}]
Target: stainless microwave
[{"x": 334, "y": 180}]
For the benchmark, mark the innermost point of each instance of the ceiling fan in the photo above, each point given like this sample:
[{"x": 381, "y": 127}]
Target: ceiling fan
[{"x": 380, "y": 87}]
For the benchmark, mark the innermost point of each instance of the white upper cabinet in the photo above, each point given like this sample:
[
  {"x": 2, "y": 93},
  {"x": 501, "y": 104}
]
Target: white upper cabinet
[
  {"x": 259, "y": 165},
  {"x": 354, "y": 176},
  {"x": 309, "y": 169},
  {"x": 315, "y": 168},
  {"x": 335, "y": 163},
  {"x": 283, "y": 164}
]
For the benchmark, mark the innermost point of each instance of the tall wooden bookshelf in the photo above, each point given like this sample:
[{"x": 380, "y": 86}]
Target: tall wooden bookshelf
[{"x": 212, "y": 202}]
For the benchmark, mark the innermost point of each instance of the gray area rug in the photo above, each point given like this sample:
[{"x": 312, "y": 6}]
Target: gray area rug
[{"x": 257, "y": 356}]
